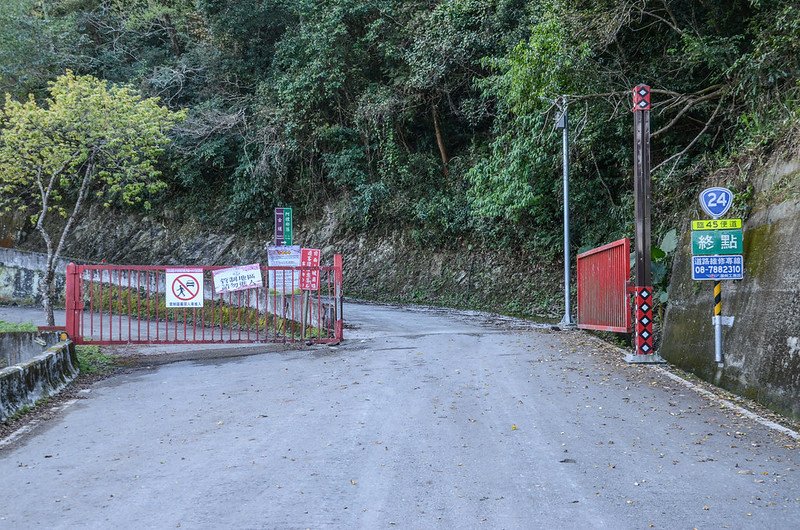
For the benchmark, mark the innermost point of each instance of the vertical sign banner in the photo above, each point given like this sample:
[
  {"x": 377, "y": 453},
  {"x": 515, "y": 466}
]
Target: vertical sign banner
[
  {"x": 287, "y": 280},
  {"x": 279, "y": 226},
  {"x": 287, "y": 227},
  {"x": 309, "y": 279},
  {"x": 283, "y": 227},
  {"x": 184, "y": 287},
  {"x": 238, "y": 278}
]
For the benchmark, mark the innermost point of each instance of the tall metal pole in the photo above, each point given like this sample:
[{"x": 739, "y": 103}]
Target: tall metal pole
[
  {"x": 643, "y": 327},
  {"x": 563, "y": 124}
]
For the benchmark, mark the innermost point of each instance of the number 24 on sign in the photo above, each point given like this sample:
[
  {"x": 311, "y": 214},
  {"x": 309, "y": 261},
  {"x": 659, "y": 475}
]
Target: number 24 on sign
[{"x": 716, "y": 201}]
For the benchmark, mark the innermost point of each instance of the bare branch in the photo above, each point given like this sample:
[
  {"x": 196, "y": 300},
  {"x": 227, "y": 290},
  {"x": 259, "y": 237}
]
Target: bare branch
[
  {"x": 691, "y": 103},
  {"x": 677, "y": 156}
]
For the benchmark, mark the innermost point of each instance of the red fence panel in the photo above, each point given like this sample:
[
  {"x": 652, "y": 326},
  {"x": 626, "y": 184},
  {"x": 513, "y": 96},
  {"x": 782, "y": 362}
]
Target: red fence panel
[
  {"x": 603, "y": 298},
  {"x": 127, "y": 304}
]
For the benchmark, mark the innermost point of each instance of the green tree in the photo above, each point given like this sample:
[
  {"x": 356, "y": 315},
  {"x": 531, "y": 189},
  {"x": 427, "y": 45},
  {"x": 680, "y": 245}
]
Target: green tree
[{"x": 88, "y": 139}]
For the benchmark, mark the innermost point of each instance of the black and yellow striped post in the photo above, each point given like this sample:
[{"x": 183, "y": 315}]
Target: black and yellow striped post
[{"x": 718, "y": 357}]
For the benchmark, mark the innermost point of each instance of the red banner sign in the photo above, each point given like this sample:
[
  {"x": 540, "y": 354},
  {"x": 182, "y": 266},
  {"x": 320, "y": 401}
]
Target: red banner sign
[{"x": 309, "y": 279}]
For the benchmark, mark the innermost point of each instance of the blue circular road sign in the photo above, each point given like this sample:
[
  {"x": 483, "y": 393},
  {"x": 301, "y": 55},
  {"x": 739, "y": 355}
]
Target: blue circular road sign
[{"x": 716, "y": 201}]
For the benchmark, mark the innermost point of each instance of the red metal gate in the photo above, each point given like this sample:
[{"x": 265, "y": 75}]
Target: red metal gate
[
  {"x": 126, "y": 304},
  {"x": 603, "y": 296}
]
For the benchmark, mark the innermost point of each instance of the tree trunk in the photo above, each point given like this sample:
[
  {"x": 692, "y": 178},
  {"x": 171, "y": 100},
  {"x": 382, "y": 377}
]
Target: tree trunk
[
  {"x": 47, "y": 288},
  {"x": 440, "y": 139},
  {"x": 173, "y": 37}
]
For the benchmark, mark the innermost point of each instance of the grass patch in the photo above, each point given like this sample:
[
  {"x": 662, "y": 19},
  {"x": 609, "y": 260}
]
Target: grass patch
[
  {"x": 25, "y": 409},
  {"x": 92, "y": 361},
  {"x": 6, "y": 327}
]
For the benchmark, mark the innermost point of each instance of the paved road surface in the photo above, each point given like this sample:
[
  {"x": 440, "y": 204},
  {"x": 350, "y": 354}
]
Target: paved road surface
[{"x": 422, "y": 419}]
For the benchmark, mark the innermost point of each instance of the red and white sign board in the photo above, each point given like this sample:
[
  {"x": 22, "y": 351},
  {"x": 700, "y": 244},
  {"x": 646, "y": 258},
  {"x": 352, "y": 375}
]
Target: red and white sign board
[
  {"x": 238, "y": 278},
  {"x": 309, "y": 279},
  {"x": 184, "y": 287}
]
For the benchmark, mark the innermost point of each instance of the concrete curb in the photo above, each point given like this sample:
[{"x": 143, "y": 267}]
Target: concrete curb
[{"x": 44, "y": 375}]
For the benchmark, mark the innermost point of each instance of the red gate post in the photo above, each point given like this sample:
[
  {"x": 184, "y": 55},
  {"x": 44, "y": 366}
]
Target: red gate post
[
  {"x": 73, "y": 302},
  {"x": 644, "y": 351},
  {"x": 338, "y": 279}
]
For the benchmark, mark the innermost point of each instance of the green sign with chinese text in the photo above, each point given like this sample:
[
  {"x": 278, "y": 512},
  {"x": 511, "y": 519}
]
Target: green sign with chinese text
[{"x": 717, "y": 242}]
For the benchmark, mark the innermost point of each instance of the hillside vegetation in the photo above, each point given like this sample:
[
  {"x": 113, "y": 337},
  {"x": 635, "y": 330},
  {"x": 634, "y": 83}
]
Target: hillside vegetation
[{"x": 433, "y": 117}]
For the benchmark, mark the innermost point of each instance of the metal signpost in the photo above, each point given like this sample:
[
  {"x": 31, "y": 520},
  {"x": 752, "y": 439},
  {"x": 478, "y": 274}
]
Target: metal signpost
[
  {"x": 717, "y": 252},
  {"x": 562, "y": 123},
  {"x": 644, "y": 351}
]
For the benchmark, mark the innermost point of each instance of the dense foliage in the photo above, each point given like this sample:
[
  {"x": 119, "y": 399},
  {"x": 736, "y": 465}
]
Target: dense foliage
[{"x": 432, "y": 115}]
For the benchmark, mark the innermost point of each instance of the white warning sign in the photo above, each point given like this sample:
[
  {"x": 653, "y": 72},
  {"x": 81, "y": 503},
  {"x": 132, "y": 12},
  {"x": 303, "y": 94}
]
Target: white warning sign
[
  {"x": 282, "y": 261},
  {"x": 184, "y": 287},
  {"x": 238, "y": 278}
]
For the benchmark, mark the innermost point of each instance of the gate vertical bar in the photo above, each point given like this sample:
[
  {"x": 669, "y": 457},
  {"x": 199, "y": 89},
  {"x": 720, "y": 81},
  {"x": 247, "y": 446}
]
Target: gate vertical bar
[
  {"x": 248, "y": 315},
  {"x": 292, "y": 300},
  {"x": 258, "y": 312},
  {"x": 138, "y": 305},
  {"x": 337, "y": 286},
  {"x": 130, "y": 316},
  {"x": 73, "y": 302},
  {"x": 111, "y": 304},
  {"x": 101, "y": 306},
  {"x": 156, "y": 301},
  {"x": 91, "y": 303},
  {"x": 238, "y": 314},
  {"x": 643, "y": 327}
]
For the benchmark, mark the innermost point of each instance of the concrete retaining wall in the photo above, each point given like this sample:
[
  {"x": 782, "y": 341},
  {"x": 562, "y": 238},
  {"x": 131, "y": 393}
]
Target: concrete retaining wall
[
  {"x": 38, "y": 377},
  {"x": 762, "y": 348},
  {"x": 20, "y": 346},
  {"x": 21, "y": 276}
]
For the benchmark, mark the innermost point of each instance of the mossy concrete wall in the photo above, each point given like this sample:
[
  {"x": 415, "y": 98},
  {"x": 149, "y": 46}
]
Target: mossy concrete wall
[
  {"x": 20, "y": 346},
  {"x": 40, "y": 376},
  {"x": 762, "y": 348},
  {"x": 21, "y": 275}
]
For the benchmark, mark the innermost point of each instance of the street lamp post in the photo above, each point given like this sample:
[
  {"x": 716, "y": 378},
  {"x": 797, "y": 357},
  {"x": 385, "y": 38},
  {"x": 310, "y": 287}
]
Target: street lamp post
[{"x": 562, "y": 123}]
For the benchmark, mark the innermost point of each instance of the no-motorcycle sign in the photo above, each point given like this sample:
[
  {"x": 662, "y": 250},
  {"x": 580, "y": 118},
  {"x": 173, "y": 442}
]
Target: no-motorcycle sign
[{"x": 184, "y": 287}]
